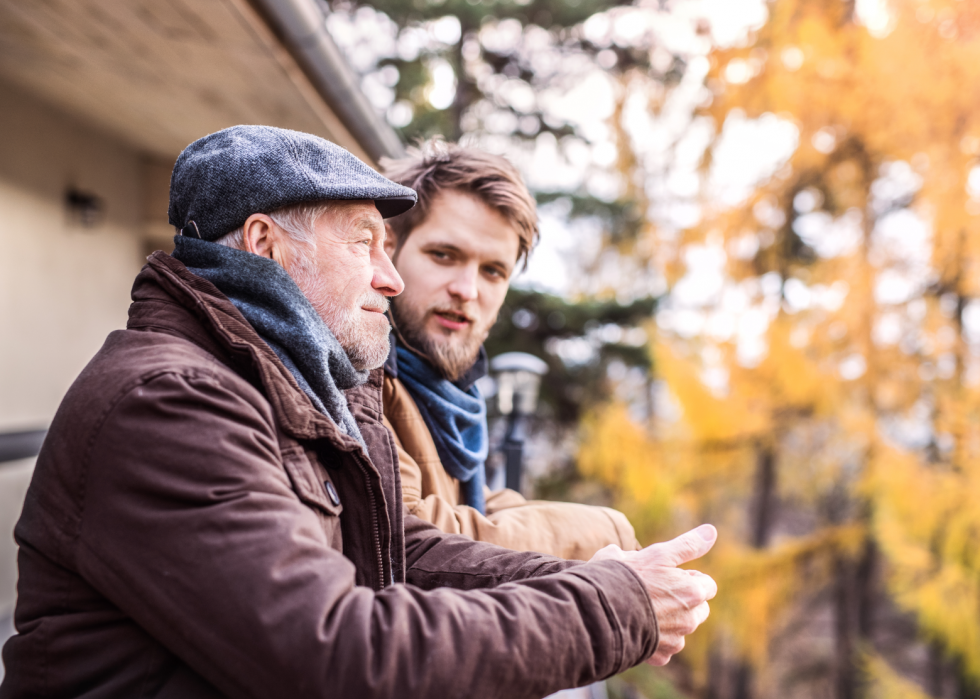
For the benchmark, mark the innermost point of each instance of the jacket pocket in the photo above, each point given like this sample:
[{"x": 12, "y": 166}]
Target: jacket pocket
[{"x": 312, "y": 490}]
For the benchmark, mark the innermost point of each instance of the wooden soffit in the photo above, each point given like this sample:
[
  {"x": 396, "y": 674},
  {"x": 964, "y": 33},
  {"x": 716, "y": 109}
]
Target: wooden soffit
[{"x": 160, "y": 73}]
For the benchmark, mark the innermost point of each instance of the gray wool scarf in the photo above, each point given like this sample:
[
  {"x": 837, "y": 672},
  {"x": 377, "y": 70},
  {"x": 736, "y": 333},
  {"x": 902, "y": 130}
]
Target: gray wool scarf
[{"x": 284, "y": 318}]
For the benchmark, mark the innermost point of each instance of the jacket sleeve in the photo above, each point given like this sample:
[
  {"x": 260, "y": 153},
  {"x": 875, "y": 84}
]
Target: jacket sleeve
[
  {"x": 434, "y": 559},
  {"x": 190, "y": 527},
  {"x": 563, "y": 529}
]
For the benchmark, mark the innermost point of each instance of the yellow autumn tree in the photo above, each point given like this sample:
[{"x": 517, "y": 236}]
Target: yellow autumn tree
[{"x": 841, "y": 463}]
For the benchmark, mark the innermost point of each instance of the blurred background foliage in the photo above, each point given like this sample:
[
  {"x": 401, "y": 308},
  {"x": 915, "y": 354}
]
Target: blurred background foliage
[
  {"x": 766, "y": 219},
  {"x": 579, "y": 341}
]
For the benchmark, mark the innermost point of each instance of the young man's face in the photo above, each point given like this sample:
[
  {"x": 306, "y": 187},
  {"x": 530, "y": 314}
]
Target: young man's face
[{"x": 456, "y": 266}]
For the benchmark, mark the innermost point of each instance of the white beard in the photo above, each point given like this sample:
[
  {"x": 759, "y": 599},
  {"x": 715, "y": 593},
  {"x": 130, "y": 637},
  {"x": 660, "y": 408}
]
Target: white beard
[{"x": 366, "y": 343}]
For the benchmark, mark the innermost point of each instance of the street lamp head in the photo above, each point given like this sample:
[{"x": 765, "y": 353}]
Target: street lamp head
[{"x": 518, "y": 381}]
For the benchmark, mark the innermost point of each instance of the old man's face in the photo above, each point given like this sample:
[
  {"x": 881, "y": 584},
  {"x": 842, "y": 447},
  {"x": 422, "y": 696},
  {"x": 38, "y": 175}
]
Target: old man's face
[{"x": 348, "y": 279}]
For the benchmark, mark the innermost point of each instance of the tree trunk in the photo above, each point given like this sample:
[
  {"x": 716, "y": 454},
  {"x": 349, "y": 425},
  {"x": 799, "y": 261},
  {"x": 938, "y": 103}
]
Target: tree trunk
[
  {"x": 854, "y": 618},
  {"x": 765, "y": 492},
  {"x": 762, "y": 516},
  {"x": 936, "y": 670},
  {"x": 716, "y": 668},
  {"x": 464, "y": 86},
  {"x": 843, "y": 624},
  {"x": 867, "y": 592},
  {"x": 966, "y": 686},
  {"x": 742, "y": 688}
]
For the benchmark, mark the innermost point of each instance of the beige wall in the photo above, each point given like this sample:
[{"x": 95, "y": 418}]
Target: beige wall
[{"x": 63, "y": 287}]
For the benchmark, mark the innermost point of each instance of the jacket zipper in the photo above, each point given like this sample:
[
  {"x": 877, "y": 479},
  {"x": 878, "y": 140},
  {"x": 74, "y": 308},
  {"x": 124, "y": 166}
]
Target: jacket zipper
[{"x": 374, "y": 523}]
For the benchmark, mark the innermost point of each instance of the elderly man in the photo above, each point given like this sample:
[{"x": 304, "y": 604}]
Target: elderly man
[
  {"x": 456, "y": 251},
  {"x": 216, "y": 510}
]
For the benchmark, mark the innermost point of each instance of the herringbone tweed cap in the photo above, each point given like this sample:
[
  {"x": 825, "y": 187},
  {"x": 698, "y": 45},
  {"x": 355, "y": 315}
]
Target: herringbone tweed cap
[{"x": 222, "y": 179}]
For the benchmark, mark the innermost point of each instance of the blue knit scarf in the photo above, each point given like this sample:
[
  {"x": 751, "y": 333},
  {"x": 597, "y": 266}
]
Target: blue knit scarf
[
  {"x": 285, "y": 319},
  {"x": 457, "y": 420}
]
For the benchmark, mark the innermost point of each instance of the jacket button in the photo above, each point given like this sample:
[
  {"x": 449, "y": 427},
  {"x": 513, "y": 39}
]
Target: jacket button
[{"x": 332, "y": 492}]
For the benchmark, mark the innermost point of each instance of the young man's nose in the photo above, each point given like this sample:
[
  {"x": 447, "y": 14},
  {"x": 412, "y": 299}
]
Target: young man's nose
[
  {"x": 386, "y": 279},
  {"x": 464, "y": 283}
]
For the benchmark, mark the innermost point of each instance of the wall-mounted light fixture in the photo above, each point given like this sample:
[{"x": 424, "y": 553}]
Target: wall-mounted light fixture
[{"x": 84, "y": 208}]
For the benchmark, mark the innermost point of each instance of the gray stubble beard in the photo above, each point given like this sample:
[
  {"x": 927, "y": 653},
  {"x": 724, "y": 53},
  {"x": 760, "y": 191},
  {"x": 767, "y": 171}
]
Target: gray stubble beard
[{"x": 366, "y": 347}]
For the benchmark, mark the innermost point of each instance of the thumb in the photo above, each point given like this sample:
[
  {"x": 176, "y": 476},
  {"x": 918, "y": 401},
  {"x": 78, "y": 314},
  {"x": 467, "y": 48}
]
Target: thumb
[{"x": 686, "y": 547}]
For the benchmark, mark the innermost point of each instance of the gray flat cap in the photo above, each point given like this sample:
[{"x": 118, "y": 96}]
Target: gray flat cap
[{"x": 222, "y": 179}]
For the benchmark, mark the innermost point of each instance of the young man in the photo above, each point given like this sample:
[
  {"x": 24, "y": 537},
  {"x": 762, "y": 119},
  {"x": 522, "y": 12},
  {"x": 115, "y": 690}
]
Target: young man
[
  {"x": 475, "y": 222},
  {"x": 216, "y": 512}
]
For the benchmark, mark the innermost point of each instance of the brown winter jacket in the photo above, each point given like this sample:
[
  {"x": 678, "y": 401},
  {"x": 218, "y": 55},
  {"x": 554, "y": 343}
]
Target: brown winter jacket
[
  {"x": 178, "y": 540},
  {"x": 563, "y": 529}
]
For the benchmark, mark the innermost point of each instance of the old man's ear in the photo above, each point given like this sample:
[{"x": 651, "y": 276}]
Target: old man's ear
[{"x": 262, "y": 237}]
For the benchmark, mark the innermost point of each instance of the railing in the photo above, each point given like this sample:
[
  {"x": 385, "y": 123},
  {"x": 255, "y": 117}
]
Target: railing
[{"x": 20, "y": 445}]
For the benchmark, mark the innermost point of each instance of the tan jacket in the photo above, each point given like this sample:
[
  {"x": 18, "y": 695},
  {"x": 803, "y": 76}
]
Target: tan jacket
[{"x": 567, "y": 530}]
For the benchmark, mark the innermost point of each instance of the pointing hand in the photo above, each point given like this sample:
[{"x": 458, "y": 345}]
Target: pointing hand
[{"x": 680, "y": 597}]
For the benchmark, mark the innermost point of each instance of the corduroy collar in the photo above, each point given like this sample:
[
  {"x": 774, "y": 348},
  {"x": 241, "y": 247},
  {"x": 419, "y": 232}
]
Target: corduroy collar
[{"x": 284, "y": 318}]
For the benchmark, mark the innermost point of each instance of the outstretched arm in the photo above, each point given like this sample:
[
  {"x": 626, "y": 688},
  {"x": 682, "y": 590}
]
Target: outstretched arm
[
  {"x": 436, "y": 559},
  {"x": 202, "y": 541}
]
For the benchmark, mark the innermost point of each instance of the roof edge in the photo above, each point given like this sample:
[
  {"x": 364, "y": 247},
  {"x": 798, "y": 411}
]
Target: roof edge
[{"x": 301, "y": 26}]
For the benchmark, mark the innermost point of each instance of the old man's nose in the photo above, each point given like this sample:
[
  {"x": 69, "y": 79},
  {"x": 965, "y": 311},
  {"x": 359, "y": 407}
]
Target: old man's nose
[{"x": 386, "y": 278}]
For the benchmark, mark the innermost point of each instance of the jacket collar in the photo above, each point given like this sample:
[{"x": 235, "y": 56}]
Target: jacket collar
[{"x": 284, "y": 318}]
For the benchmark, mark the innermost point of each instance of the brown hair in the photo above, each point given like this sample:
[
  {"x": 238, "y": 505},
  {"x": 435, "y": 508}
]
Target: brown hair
[{"x": 435, "y": 166}]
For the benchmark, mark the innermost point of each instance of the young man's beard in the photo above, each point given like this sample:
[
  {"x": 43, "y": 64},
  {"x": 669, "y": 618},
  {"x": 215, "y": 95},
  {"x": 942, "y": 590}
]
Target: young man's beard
[
  {"x": 366, "y": 343},
  {"x": 453, "y": 356}
]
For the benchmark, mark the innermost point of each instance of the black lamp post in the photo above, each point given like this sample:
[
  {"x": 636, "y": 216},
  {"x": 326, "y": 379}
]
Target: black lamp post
[{"x": 518, "y": 377}]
